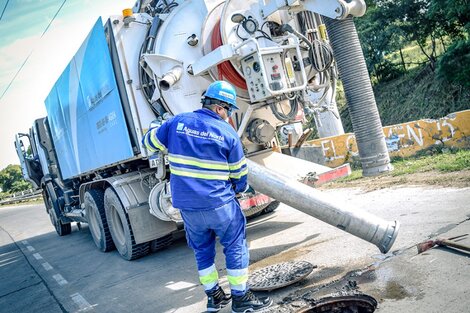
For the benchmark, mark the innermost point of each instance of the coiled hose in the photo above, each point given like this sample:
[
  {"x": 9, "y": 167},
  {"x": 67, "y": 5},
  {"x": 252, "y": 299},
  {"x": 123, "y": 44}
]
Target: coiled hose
[
  {"x": 226, "y": 69},
  {"x": 365, "y": 117}
]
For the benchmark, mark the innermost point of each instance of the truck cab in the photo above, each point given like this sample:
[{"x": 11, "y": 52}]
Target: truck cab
[{"x": 31, "y": 154}]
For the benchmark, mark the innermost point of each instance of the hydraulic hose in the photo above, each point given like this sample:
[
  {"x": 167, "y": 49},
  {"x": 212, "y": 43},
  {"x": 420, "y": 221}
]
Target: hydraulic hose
[
  {"x": 226, "y": 69},
  {"x": 360, "y": 96},
  {"x": 152, "y": 34},
  {"x": 146, "y": 82}
]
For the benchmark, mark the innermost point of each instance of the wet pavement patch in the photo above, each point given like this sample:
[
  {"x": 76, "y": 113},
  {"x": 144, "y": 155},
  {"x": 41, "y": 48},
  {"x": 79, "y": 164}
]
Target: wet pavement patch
[{"x": 395, "y": 291}]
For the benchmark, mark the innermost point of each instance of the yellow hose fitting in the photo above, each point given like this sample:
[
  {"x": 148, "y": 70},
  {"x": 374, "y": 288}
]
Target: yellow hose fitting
[{"x": 322, "y": 30}]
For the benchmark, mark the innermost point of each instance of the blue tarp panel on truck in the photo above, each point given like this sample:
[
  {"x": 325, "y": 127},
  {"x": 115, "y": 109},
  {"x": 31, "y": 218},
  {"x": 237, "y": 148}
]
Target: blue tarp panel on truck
[{"x": 85, "y": 112}]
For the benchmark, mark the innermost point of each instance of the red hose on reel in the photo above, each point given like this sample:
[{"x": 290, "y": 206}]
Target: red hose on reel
[{"x": 226, "y": 69}]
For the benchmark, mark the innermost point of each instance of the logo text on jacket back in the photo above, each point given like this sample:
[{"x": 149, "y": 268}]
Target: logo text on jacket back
[{"x": 182, "y": 129}]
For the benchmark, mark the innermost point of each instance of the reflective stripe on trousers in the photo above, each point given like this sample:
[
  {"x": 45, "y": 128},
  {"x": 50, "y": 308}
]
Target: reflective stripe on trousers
[
  {"x": 209, "y": 277},
  {"x": 237, "y": 279}
]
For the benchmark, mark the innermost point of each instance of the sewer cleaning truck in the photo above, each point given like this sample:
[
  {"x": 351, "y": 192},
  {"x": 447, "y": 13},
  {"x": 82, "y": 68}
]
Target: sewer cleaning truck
[{"x": 136, "y": 70}]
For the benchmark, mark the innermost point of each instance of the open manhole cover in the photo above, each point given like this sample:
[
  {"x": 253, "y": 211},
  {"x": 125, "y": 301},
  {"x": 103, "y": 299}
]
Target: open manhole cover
[
  {"x": 279, "y": 275},
  {"x": 357, "y": 303}
]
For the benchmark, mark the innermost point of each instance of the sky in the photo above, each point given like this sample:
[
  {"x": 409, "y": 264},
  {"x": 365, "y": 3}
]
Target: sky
[{"x": 27, "y": 34}]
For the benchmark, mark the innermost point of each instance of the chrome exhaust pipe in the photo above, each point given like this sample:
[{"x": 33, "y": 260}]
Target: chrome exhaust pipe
[{"x": 310, "y": 201}]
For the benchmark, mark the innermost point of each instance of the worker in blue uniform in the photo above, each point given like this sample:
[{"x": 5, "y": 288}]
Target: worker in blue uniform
[{"x": 208, "y": 168}]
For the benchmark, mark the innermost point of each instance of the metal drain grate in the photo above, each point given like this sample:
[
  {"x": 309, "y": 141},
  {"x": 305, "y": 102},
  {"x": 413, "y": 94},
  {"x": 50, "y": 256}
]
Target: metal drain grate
[{"x": 279, "y": 275}]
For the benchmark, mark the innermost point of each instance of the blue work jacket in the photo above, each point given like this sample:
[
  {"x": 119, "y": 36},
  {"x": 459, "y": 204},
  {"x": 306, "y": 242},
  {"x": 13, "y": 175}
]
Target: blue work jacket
[{"x": 207, "y": 162}]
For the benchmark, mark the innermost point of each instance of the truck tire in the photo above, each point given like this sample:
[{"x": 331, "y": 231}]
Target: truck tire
[
  {"x": 97, "y": 223},
  {"x": 255, "y": 211},
  {"x": 47, "y": 203},
  {"x": 271, "y": 207},
  {"x": 120, "y": 228},
  {"x": 61, "y": 228},
  {"x": 161, "y": 243}
]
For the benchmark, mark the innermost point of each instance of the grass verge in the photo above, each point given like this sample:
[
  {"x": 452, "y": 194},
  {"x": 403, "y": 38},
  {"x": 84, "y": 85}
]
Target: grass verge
[{"x": 447, "y": 168}]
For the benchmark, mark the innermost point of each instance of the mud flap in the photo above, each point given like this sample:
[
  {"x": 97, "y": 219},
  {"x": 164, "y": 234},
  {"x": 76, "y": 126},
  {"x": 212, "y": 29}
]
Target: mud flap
[{"x": 147, "y": 227}]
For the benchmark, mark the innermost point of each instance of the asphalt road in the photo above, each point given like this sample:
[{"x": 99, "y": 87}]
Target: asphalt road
[{"x": 42, "y": 272}]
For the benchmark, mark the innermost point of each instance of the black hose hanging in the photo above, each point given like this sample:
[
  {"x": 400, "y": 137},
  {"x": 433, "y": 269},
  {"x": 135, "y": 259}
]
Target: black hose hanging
[
  {"x": 147, "y": 83},
  {"x": 365, "y": 117}
]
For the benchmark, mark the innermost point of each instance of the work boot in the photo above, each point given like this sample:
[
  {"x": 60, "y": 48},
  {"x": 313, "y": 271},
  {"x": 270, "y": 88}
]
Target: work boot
[
  {"x": 250, "y": 303},
  {"x": 217, "y": 299}
]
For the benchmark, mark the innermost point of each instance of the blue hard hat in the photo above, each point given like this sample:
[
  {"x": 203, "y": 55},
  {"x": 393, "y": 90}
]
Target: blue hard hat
[{"x": 222, "y": 91}]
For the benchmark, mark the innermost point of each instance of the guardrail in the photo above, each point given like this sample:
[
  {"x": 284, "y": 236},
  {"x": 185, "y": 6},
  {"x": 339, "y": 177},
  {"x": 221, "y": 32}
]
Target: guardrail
[{"x": 22, "y": 196}]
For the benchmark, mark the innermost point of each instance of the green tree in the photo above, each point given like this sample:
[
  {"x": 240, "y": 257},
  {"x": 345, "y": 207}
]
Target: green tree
[
  {"x": 380, "y": 34},
  {"x": 390, "y": 25},
  {"x": 416, "y": 23},
  {"x": 454, "y": 66},
  {"x": 454, "y": 16},
  {"x": 11, "y": 179}
]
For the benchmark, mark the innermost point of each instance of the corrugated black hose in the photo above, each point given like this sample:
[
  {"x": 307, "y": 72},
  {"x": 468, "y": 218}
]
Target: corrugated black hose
[{"x": 365, "y": 117}]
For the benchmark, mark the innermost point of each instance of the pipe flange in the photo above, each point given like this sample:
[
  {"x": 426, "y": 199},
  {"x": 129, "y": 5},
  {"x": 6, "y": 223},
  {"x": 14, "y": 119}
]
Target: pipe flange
[{"x": 260, "y": 131}]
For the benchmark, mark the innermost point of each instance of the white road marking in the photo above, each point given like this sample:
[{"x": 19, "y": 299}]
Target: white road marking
[
  {"x": 30, "y": 248},
  {"x": 180, "y": 285},
  {"x": 25, "y": 242},
  {"x": 80, "y": 301},
  {"x": 7, "y": 253},
  {"x": 60, "y": 280},
  {"x": 6, "y": 263},
  {"x": 37, "y": 256},
  {"x": 47, "y": 266}
]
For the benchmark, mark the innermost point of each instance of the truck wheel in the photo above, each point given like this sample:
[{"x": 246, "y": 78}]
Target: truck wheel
[
  {"x": 97, "y": 223},
  {"x": 272, "y": 206},
  {"x": 120, "y": 228},
  {"x": 161, "y": 243},
  {"x": 45, "y": 198},
  {"x": 62, "y": 229}
]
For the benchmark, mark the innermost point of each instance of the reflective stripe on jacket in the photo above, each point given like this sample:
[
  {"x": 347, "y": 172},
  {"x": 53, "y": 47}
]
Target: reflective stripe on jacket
[{"x": 206, "y": 159}]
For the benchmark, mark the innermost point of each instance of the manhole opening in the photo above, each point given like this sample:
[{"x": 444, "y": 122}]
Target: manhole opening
[{"x": 343, "y": 304}]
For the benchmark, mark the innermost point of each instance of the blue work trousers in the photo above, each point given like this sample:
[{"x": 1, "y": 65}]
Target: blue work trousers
[{"x": 226, "y": 222}]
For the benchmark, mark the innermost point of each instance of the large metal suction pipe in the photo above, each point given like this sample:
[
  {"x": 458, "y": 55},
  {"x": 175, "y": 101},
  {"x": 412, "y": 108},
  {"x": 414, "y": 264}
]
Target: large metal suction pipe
[
  {"x": 359, "y": 223},
  {"x": 171, "y": 77}
]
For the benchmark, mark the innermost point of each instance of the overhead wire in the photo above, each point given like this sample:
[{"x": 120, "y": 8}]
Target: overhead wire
[
  {"x": 16, "y": 74},
  {"x": 29, "y": 55},
  {"x": 53, "y": 18},
  {"x": 4, "y": 8}
]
